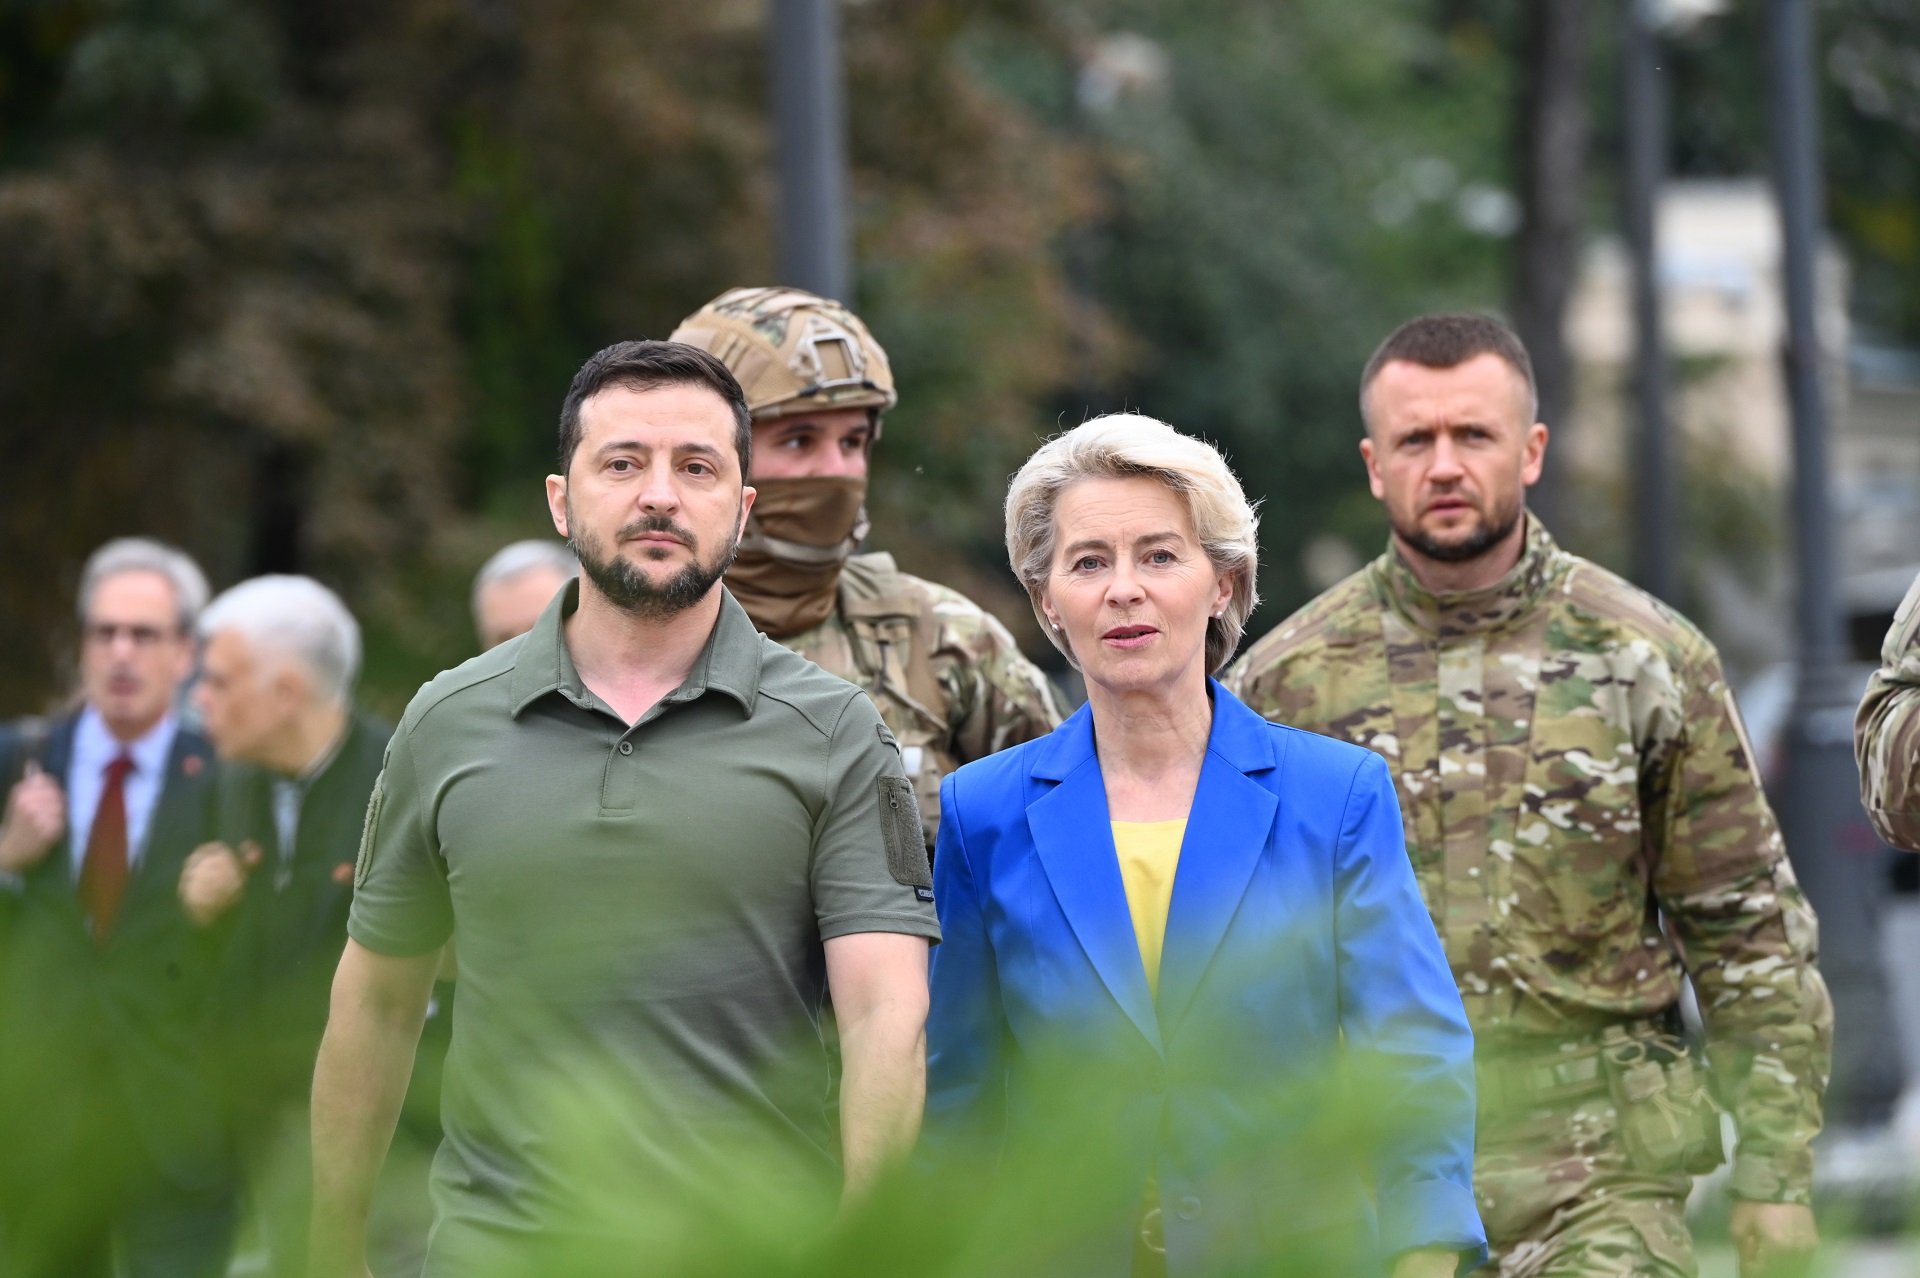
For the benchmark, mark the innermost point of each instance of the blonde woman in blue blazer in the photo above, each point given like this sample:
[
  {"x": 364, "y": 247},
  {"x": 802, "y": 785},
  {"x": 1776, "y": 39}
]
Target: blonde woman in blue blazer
[{"x": 1197, "y": 919}]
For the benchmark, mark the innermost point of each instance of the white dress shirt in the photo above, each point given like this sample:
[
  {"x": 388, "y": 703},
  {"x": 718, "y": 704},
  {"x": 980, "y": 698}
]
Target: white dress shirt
[{"x": 94, "y": 747}]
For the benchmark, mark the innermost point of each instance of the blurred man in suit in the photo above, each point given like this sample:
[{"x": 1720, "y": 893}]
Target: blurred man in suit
[
  {"x": 111, "y": 1156},
  {"x": 282, "y": 657},
  {"x": 515, "y": 586}
]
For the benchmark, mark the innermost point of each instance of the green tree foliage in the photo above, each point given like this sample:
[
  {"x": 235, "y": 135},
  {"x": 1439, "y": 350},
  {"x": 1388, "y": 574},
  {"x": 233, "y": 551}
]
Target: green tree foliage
[
  {"x": 1304, "y": 177},
  {"x": 1868, "y": 62},
  {"x": 300, "y": 287}
]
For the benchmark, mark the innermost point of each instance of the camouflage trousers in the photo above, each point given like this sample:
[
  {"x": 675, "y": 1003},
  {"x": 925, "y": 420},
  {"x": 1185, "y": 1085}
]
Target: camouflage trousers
[{"x": 1560, "y": 1199}]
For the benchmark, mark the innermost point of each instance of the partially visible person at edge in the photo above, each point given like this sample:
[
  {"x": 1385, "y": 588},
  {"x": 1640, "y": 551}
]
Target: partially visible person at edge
[
  {"x": 1585, "y": 819},
  {"x": 515, "y": 586},
  {"x": 276, "y": 698},
  {"x": 1886, "y": 734},
  {"x": 1205, "y": 912},
  {"x": 947, "y": 677},
  {"x": 658, "y": 838},
  {"x": 111, "y": 1130}
]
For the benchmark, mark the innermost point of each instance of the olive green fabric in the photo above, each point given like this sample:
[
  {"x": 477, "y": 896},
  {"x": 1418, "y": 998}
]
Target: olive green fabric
[{"x": 640, "y": 916}]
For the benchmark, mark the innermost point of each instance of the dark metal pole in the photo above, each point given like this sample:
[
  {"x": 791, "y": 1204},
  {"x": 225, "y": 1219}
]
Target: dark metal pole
[
  {"x": 1550, "y": 151},
  {"x": 1656, "y": 544},
  {"x": 810, "y": 142},
  {"x": 1839, "y": 866}
]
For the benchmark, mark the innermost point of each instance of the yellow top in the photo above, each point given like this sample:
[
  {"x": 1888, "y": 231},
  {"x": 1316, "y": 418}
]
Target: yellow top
[{"x": 1149, "y": 854}]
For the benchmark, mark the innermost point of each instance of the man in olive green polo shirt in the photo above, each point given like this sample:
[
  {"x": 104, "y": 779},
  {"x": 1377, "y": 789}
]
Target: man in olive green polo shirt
[{"x": 657, "y": 838}]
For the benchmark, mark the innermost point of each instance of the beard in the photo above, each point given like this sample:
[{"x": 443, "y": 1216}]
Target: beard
[
  {"x": 1494, "y": 526},
  {"x": 630, "y": 589}
]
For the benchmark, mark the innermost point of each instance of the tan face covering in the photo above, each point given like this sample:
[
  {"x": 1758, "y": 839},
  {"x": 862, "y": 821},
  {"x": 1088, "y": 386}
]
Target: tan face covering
[{"x": 800, "y": 532}]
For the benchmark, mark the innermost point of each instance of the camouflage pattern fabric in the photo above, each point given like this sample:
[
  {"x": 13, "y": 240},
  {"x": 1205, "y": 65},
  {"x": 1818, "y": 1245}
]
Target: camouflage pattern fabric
[
  {"x": 1584, "y": 816},
  {"x": 1564, "y": 1202},
  {"x": 793, "y": 351},
  {"x": 1886, "y": 735},
  {"x": 949, "y": 680}
]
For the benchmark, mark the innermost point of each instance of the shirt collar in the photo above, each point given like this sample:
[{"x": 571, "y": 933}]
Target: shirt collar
[
  {"x": 729, "y": 663},
  {"x": 95, "y": 746},
  {"x": 1472, "y": 611}
]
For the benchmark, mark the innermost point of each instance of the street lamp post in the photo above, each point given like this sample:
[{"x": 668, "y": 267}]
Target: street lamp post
[
  {"x": 1656, "y": 543},
  {"x": 810, "y": 143},
  {"x": 1821, "y": 802}
]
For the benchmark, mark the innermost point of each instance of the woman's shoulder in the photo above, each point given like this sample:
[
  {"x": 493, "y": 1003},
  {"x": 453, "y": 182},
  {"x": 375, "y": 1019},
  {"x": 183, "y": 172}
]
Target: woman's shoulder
[
  {"x": 1309, "y": 759},
  {"x": 1297, "y": 750},
  {"x": 996, "y": 774}
]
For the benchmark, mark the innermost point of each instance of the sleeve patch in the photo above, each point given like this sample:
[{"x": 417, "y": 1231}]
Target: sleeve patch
[
  {"x": 906, "y": 844},
  {"x": 369, "y": 829}
]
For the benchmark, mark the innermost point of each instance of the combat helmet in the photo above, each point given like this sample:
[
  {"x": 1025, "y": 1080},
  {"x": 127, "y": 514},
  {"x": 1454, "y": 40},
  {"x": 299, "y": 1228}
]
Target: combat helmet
[{"x": 793, "y": 352}]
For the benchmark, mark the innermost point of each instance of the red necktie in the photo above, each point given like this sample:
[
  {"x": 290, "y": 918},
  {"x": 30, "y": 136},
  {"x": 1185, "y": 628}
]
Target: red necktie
[{"x": 103, "y": 874}]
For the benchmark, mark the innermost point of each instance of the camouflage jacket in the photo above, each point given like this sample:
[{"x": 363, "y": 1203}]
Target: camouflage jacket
[
  {"x": 948, "y": 678},
  {"x": 1886, "y": 735},
  {"x": 1583, "y": 812}
]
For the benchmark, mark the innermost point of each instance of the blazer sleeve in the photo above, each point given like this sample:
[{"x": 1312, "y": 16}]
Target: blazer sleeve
[
  {"x": 12, "y": 886},
  {"x": 1406, "y": 1029},
  {"x": 966, "y": 1023}
]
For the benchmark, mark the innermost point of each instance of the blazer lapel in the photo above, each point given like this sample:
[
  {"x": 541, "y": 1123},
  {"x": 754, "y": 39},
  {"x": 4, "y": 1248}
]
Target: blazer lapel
[
  {"x": 54, "y": 753},
  {"x": 179, "y": 820},
  {"x": 1073, "y": 837},
  {"x": 1227, "y": 833}
]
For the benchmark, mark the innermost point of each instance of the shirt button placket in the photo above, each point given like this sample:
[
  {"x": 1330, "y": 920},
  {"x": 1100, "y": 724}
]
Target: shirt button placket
[{"x": 623, "y": 782}]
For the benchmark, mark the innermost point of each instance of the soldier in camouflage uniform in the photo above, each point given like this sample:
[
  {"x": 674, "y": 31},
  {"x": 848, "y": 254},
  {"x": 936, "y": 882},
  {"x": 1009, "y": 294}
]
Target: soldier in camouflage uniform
[
  {"x": 1886, "y": 735},
  {"x": 1584, "y": 817},
  {"x": 948, "y": 678}
]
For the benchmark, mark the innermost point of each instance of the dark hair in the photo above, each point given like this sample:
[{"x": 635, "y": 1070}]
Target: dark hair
[
  {"x": 648, "y": 365},
  {"x": 1447, "y": 341}
]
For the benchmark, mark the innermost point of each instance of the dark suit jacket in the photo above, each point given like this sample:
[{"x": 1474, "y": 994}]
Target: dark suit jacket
[
  {"x": 126, "y": 1016},
  {"x": 284, "y": 940}
]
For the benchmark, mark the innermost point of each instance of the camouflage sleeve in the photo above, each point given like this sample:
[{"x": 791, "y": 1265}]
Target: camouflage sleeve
[
  {"x": 1886, "y": 733},
  {"x": 1283, "y": 674},
  {"x": 1729, "y": 896},
  {"x": 1263, "y": 678},
  {"x": 1010, "y": 700},
  {"x": 1235, "y": 677}
]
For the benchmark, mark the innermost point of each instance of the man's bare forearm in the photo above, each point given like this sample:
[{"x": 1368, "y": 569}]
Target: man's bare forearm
[
  {"x": 883, "y": 1091},
  {"x": 359, "y": 1082},
  {"x": 879, "y": 984}
]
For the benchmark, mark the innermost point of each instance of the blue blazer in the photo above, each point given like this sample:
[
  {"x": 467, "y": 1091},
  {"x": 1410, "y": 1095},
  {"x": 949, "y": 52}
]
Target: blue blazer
[{"x": 1298, "y": 950}]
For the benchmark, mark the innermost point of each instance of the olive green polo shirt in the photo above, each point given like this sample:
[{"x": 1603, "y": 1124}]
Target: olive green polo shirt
[{"x": 640, "y": 913}]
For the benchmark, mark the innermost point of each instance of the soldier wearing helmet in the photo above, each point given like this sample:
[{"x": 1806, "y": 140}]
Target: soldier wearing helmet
[{"x": 948, "y": 678}]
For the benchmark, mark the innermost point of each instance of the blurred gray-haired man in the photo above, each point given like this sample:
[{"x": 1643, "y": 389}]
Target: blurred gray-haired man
[
  {"x": 110, "y": 1132},
  {"x": 515, "y": 586},
  {"x": 276, "y": 697}
]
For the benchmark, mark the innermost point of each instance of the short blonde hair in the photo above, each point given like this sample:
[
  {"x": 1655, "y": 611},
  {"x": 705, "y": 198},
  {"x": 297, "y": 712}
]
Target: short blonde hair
[{"x": 1123, "y": 446}]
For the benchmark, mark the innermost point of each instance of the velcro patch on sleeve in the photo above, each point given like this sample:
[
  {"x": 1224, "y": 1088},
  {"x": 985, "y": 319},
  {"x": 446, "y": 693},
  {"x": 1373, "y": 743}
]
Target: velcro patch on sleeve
[
  {"x": 369, "y": 829},
  {"x": 900, "y": 823}
]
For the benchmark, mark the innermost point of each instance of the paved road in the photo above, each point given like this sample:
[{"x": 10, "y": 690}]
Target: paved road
[{"x": 1860, "y": 1260}]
